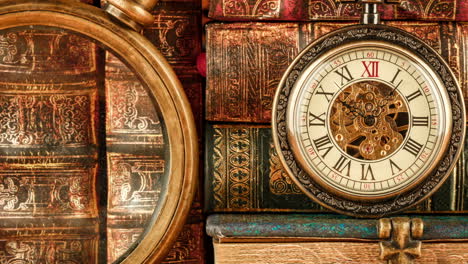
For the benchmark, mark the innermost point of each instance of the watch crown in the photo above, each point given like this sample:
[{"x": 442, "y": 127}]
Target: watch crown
[{"x": 370, "y": 14}]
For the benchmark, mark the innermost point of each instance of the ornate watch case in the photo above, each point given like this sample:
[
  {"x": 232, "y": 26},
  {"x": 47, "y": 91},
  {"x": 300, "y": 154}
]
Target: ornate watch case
[{"x": 368, "y": 120}]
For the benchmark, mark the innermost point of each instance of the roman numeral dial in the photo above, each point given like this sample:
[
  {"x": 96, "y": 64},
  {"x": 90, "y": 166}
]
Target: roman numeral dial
[{"x": 366, "y": 122}]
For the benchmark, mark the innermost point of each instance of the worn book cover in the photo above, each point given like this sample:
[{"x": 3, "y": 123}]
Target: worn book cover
[
  {"x": 135, "y": 175},
  {"x": 49, "y": 89},
  {"x": 246, "y": 61},
  {"x": 309, "y": 10},
  {"x": 243, "y": 173},
  {"x": 177, "y": 35}
]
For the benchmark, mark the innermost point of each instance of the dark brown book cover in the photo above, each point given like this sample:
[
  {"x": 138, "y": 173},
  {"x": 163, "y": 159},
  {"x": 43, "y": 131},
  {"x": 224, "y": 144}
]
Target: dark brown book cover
[
  {"x": 247, "y": 60},
  {"x": 135, "y": 175},
  {"x": 460, "y": 58},
  {"x": 177, "y": 35},
  {"x": 49, "y": 162},
  {"x": 310, "y": 10}
]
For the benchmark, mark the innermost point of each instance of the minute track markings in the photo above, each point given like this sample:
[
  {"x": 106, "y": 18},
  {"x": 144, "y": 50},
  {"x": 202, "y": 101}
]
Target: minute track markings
[{"x": 321, "y": 90}]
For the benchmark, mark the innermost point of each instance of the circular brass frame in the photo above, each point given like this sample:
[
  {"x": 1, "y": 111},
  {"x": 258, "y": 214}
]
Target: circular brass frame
[
  {"x": 293, "y": 108},
  {"x": 153, "y": 70},
  {"x": 350, "y": 205}
]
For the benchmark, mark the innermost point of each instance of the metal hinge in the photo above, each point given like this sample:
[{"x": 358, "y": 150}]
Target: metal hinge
[{"x": 402, "y": 246}]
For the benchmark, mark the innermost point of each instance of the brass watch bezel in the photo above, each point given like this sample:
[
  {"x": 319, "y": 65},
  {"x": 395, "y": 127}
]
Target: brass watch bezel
[
  {"x": 352, "y": 205},
  {"x": 299, "y": 153},
  {"x": 153, "y": 71}
]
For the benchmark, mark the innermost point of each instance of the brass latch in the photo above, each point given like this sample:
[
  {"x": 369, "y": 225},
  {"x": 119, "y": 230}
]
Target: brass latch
[{"x": 401, "y": 248}]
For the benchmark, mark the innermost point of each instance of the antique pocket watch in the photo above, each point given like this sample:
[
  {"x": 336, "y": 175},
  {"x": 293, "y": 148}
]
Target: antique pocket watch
[
  {"x": 93, "y": 158},
  {"x": 368, "y": 120}
]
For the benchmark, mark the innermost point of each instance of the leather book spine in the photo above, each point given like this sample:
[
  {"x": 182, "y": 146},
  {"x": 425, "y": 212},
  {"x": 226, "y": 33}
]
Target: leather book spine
[
  {"x": 243, "y": 173},
  {"x": 49, "y": 87},
  {"x": 176, "y": 34},
  {"x": 245, "y": 62},
  {"x": 135, "y": 175},
  {"x": 310, "y": 10}
]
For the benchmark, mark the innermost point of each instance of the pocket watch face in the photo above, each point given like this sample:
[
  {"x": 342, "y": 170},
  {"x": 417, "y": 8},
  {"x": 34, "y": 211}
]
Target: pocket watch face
[
  {"x": 368, "y": 120},
  {"x": 362, "y": 121}
]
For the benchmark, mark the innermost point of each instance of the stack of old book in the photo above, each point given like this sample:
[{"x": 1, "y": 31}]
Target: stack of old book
[
  {"x": 246, "y": 59},
  {"x": 176, "y": 33},
  {"x": 72, "y": 187}
]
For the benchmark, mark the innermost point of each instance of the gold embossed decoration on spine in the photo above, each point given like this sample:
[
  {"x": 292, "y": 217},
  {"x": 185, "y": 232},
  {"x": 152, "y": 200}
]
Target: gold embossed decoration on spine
[
  {"x": 49, "y": 146},
  {"x": 135, "y": 175},
  {"x": 55, "y": 137}
]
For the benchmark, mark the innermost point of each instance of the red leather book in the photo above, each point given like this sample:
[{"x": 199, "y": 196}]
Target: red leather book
[{"x": 311, "y": 10}]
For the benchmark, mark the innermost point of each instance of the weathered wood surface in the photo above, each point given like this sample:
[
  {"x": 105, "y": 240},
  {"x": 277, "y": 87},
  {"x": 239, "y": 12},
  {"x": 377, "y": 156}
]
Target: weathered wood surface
[{"x": 329, "y": 252}]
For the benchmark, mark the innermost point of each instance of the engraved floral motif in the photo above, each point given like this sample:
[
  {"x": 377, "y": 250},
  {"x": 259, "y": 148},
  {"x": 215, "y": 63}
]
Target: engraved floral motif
[
  {"x": 126, "y": 113},
  {"x": 267, "y": 8},
  {"x": 320, "y": 8},
  {"x": 28, "y": 252},
  {"x": 135, "y": 182},
  {"x": 9, "y": 50},
  {"x": 251, "y": 8},
  {"x": 78, "y": 193},
  {"x": 120, "y": 240},
  {"x": 279, "y": 181},
  {"x": 186, "y": 248},
  {"x": 44, "y": 119},
  {"x": 433, "y": 9},
  {"x": 219, "y": 167},
  {"x": 441, "y": 9},
  {"x": 45, "y": 193},
  {"x": 177, "y": 27},
  {"x": 239, "y": 172},
  {"x": 8, "y": 194},
  {"x": 17, "y": 253}
]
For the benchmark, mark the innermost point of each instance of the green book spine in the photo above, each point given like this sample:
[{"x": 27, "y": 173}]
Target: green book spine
[{"x": 243, "y": 173}]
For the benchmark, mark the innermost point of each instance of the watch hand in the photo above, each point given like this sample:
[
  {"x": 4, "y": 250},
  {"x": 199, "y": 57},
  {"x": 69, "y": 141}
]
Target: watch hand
[{"x": 353, "y": 110}]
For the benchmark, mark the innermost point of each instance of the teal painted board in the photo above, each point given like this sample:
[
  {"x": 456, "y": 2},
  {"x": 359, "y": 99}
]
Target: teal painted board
[{"x": 324, "y": 226}]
